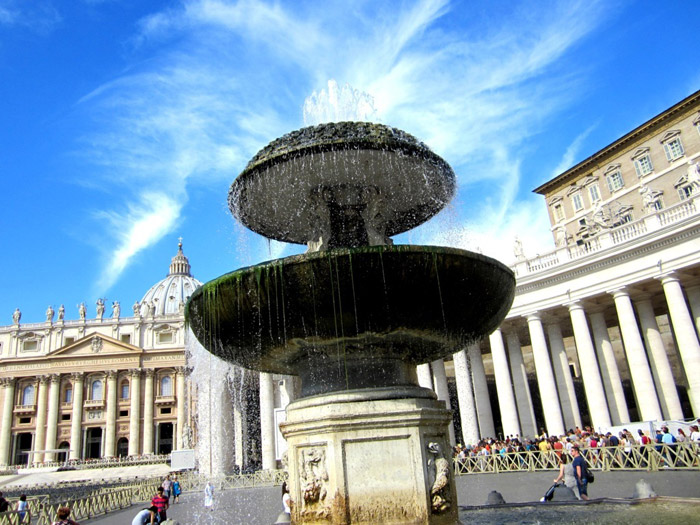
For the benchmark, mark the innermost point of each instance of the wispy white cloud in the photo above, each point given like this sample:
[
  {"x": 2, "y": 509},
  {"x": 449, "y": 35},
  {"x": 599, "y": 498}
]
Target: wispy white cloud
[
  {"x": 222, "y": 78},
  {"x": 40, "y": 16},
  {"x": 145, "y": 222},
  {"x": 572, "y": 152}
]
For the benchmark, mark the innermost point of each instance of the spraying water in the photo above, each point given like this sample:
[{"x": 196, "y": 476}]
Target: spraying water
[{"x": 339, "y": 105}]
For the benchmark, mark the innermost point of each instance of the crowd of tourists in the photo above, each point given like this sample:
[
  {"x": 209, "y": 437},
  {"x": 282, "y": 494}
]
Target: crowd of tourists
[{"x": 585, "y": 438}]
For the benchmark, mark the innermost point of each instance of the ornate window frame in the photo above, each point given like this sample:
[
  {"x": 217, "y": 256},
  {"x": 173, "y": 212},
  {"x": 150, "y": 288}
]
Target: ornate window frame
[
  {"x": 642, "y": 162},
  {"x": 673, "y": 145},
  {"x": 614, "y": 178}
]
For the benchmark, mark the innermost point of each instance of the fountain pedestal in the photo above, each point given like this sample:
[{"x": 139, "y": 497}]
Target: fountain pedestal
[{"x": 370, "y": 456}]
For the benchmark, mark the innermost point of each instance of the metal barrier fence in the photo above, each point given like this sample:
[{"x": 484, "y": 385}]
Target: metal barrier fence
[
  {"x": 84, "y": 464},
  {"x": 652, "y": 457},
  {"x": 103, "y": 500}
]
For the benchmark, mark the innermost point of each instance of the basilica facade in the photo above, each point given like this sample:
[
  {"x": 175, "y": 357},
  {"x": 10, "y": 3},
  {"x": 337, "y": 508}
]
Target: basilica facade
[{"x": 103, "y": 386}]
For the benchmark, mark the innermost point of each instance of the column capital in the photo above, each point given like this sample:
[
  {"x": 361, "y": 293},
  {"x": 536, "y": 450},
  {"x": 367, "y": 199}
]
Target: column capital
[
  {"x": 181, "y": 370},
  {"x": 149, "y": 372},
  {"x": 77, "y": 376},
  {"x": 574, "y": 305},
  {"x": 670, "y": 277},
  {"x": 112, "y": 374},
  {"x": 135, "y": 372},
  {"x": 622, "y": 291},
  {"x": 7, "y": 381},
  {"x": 533, "y": 316},
  {"x": 55, "y": 378},
  {"x": 43, "y": 379}
]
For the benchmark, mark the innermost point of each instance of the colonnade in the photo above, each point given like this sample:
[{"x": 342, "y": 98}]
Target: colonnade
[
  {"x": 653, "y": 382},
  {"x": 48, "y": 408}
]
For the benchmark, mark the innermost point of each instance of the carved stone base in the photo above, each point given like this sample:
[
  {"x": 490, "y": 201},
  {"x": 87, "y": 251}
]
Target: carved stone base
[{"x": 370, "y": 456}]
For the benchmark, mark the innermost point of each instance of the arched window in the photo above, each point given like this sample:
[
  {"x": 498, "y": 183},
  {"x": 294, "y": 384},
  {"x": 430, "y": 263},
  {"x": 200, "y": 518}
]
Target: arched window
[
  {"x": 68, "y": 395},
  {"x": 96, "y": 390},
  {"x": 124, "y": 390},
  {"x": 28, "y": 395},
  {"x": 166, "y": 386}
]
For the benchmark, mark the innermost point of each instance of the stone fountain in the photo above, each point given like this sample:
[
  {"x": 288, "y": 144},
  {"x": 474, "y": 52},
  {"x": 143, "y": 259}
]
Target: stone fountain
[{"x": 353, "y": 317}]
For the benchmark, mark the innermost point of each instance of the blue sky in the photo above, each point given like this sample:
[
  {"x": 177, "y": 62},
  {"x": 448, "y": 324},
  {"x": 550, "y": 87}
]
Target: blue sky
[{"x": 124, "y": 122}]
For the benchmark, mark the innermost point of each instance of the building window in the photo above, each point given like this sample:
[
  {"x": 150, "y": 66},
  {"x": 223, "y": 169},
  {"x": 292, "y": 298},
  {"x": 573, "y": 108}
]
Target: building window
[
  {"x": 96, "y": 390},
  {"x": 623, "y": 219},
  {"x": 28, "y": 395},
  {"x": 126, "y": 338},
  {"x": 615, "y": 181},
  {"x": 166, "y": 386},
  {"x": 643, "y": 166},
  {"x": 65, "y": 417},
  {"x": 673, "y": 145},
  {"x": 559, "y": 213},
  {"x": 70, "y": 340},
  {"x": 125, "y": 390},
  {"x": 123, "y": 413},
  {"x": 25, "y": 421},
  {"x": 165, "y": 411},
  {"x": 165, "y": 337},
  {"x": 68, "y": 395},
  {"x": 686, "y": 191},
  {"x": 577, "y": 201},
  {"x": 594, "y": 192},
  {"x": 30, "y": 345}
]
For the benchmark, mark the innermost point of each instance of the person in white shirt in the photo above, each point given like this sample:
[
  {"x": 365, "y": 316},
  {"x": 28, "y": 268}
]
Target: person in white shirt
[{"x": 146, "y": 516}]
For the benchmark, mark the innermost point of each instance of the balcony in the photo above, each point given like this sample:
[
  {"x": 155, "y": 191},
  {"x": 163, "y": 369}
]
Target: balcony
[
  {"x": 93, "y": 404},
  {"x": 610, "y": 238},
  {"x": 165, "y": 400},
  {"x": 25, "y": 409}
]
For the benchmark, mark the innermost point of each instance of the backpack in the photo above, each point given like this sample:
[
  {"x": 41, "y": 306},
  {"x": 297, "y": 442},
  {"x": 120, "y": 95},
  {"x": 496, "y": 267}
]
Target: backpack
[{"x": 589, "y": 474}]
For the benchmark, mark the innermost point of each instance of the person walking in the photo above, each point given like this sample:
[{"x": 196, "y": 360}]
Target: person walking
[
  {"x": 166, "y": 487},
  {"x": 161, "y": 503},
  {"x": 63, "y": 515},
  {"x": 580, "y": 472},
  {"x": 146, "y": 516},
  {"x": 209, "y": 496},
  {"x": 566, "y": 472},
  {"x": 177, "y": 490},
  {"x": 23, "y": 509}
]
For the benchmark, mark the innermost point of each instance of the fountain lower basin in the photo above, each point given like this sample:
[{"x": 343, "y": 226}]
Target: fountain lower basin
[{"x": 352, "y": 317}]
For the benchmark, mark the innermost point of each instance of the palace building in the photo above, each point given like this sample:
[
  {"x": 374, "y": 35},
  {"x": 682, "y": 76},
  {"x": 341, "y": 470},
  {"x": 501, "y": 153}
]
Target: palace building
[{"x": 603, "y": 331}]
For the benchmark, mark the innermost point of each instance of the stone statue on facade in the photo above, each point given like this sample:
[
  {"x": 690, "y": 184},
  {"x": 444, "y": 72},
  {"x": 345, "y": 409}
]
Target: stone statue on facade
[
  {"x": 601, "y": 216},
  {"x": 137, "y": 309},
  {"x": 61, "y": 312},
  {"x": 16, "y": 316},
  {"x": 694, "y": 175},
  {"x": 82, "y": 311},
  {"x": 440, "y": 474},
  {"x": 518, "y": 249},
  {"x": 151, "y": 309},
  {"x": 116, "y": 309},
  {"x": 100, "y": 308},
  {"x": 561, "y": 239},
  {"x": 650, "y": 198},
  {"x": 49, "y": 314},
  {"x": 181, "y": 307}
]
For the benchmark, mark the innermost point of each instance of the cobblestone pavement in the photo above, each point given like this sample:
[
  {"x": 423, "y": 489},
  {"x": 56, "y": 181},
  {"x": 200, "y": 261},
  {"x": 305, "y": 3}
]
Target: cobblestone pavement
[{"x": 261, "y": 506}]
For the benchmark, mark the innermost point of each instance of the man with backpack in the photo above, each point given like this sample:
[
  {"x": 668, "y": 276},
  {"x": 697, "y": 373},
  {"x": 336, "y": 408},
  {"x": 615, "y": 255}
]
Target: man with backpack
[{"x": 580, "y": 472}]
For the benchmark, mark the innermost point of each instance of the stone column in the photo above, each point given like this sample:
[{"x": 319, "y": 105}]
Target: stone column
[
  {"x": 76, "y": 424},
  {"x": 425, "y": 376},
  {"x": 693, "y": 294},
  {"x": 135, "y": 412},
  {"x": 110, "y": 449},
  {"x": 465, "y": 398},
  {"x": 443, "y": 392},
  {"x": 267, "y": 421},
  {"x": 528, "y": 425},
  {"x": 506, "y": 399},
  {"x": 481, "y": 392},
  {"x": 684, "y": 330},
  {"x": 181, "y": 404},
  {"x": 148, "y": 412},
  {"x": 40, "y": 436},
  {"x": 642, "y": 381},
  {"x": 545, "y": 377},
  {"x": 609, "y": 370},
  {"x": 660, "y": 367},
  {"x": 562, "y": 374},
  {"x": 52, "y": 418},
  {"x": 8, "y": 384},
  {"x": 592, "y": 383}
]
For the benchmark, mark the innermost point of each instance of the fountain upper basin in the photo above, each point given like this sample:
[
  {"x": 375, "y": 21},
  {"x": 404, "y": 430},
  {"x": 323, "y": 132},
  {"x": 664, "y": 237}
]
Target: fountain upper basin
[
  {"x": 379, "y": 172},
  {"x": 352, "y": 318}
]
